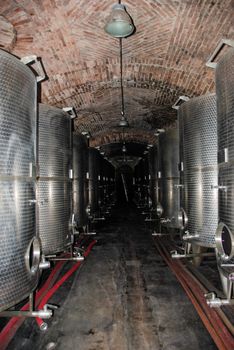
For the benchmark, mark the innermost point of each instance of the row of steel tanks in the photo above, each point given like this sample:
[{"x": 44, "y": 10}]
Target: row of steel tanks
[
  {"x": 191, "y": 176},
  {"x": 141, "y": 184},
  {"x": 48, "y": 183},
  {"x": 101, "y": 186}
]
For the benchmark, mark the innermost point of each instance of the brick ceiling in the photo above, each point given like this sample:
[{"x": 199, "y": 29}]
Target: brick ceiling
[{"x": 165, "y": 57}]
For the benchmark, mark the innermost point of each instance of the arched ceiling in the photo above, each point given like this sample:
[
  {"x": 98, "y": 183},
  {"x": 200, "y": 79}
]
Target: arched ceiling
[{"x": 164, "y": 59}]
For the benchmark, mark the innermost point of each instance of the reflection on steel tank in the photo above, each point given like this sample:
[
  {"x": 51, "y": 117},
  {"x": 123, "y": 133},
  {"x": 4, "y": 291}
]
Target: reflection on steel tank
[
  {"x": 169, "y": 180},
  {"x": 80, "y": 169},
  {"x": 19, "y": 247},
  {"x": 94, "y": 173},
  {"x": 54, "y": 183},
  {"x": 225, "y": 110},
  {"x": 198, "y": 134},
  {"x": 153, "y": 175}
]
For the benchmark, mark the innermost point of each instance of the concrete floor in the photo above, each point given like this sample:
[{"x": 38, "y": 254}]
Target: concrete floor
[{"x": 123, "y": 298}]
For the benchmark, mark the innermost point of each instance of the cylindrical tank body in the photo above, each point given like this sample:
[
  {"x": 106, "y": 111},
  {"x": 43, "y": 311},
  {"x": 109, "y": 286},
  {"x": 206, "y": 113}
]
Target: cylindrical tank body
[
  {"x": 153, "y": 175},
  {"x": 54, "y": 183},
  {"x": 225, "y": 111},
  {"x": 183, "y": 219},
  {"x": 94, "y": 179},
  {"x": 199, "y": 119},
  {"x": 19, "y": 249},
  {"x": 141, "y": 181},
  {"x": 107, "y": 184},
  {"x": 169, "y": 180},
  {"x": 80, "y": 169}
]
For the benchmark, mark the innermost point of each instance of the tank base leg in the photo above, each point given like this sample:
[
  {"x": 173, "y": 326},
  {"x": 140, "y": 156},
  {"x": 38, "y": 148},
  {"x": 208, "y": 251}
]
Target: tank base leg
[
  {"x": 99, "y": 219},
  {"x": 87, "y": 230},
  {"x": 200, "y": 253},
  {"x": 89, "y": 233},
  {"x": 176, "y": 255},
  {"x": 227, "y": 280}
]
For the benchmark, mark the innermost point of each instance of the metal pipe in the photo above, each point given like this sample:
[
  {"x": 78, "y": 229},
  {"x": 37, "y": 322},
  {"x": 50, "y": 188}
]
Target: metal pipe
[
  {"x": 89, "y": 233},
  {"x": 176, "y": 255},
  {"x": 75, "y": 258},
  {"x": 41, "y": 313}
]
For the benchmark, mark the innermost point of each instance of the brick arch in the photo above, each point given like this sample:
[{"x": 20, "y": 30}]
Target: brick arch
[
  {"x": 163, "y": 59},
  {"x": 114, "y": 136}
]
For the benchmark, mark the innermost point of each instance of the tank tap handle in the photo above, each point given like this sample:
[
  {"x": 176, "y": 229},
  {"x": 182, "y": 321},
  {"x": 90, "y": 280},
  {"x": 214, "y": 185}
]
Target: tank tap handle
[
  {"x": 165, "y": 220},
  {"x": 219, "y": 187},
  {"x": 44, "y": 264},
  {"x": 32, "y": 201},
  {"x": 50, "y": 307},
  {"x": 188, "y": 236},
  {"x": 179, "y": 186}
]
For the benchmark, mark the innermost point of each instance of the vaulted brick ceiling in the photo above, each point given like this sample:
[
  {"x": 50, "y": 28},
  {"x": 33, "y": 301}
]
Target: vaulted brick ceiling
[{"x": 165, "y": 57}]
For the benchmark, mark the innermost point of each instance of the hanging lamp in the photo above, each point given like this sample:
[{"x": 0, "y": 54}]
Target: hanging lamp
[{"x": 119, "y": 23}]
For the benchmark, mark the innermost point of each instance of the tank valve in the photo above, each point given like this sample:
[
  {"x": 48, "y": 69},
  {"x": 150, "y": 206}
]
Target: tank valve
[
  {"x": 213, "y": 301},
  {"x": 188, "y": 236},
  {"x": 47, "y": 311},
  {"x": 179, "y": 186},
  {"x": 222, "y": 188},
  {"x": 32, "y": 201},
  {"x": 44, "y": 264},
  {"x": 165, "y": 220},
  {"x": 176, "y": 255},
  {"x": 78, "y": 258}
]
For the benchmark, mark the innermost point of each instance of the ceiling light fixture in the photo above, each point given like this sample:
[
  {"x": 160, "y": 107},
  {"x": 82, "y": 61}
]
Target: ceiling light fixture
[
  {"x": 123, "y": 121},
  {"x": 159, "y": 131},
  {"x": 119, "y": 23},
  {"x": 86, "y": 134}
]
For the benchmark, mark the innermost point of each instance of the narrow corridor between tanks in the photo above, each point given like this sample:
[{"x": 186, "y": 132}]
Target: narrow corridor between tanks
[{"x": 124, "y": 297}]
